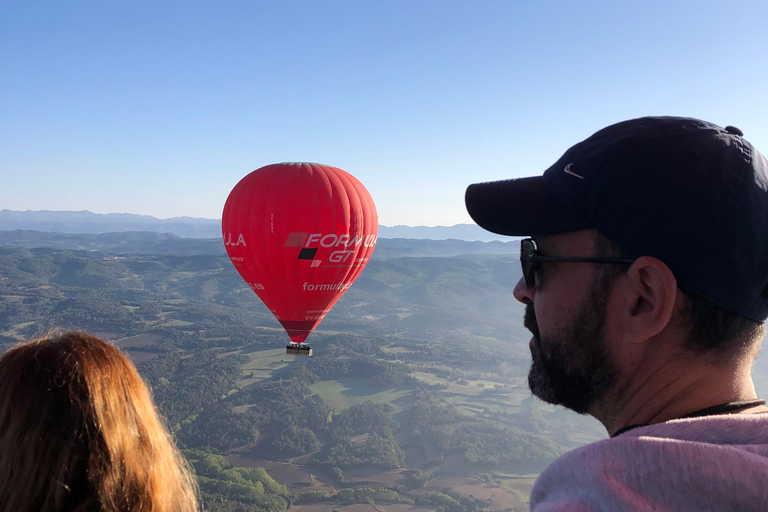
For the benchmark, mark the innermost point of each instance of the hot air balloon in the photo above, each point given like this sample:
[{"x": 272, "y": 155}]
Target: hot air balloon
[{"x": 299, "y": 234}]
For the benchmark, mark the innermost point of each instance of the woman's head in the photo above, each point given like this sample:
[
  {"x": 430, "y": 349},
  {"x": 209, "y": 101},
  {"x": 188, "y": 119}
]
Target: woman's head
[{"x": 79, "y": 431}]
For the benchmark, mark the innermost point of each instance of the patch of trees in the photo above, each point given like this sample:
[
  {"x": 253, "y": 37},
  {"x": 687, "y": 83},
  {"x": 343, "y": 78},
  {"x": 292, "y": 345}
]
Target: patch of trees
[
  {"x": 490, "y": 445},
  {"x": 348, "y": 363},
  {"x": 369, "y": 495},
  {"x": 85, "y": 272},
  {"x": 94, "y": 312},
  {"x": 226, "y": 488},
  {"x": 184, "y": 386},
  {"x": 312, "y": 497},
  {"x": 415, "y": 479},
  {"x": 429, "y": 410},
  {"x": 294, "y": 441},
  {"x": 370, "y": 450},
  {"x": 42, "y": 266},
  {"x": 218, "y": 427},
  {"x": 284, "y": 403},
  {"x": 365, "y": 418},
  {"x": 362, "y": 435}
]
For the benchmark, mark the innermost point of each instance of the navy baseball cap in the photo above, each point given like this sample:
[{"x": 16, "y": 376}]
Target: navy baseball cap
[{"x": 685, "y": 191}]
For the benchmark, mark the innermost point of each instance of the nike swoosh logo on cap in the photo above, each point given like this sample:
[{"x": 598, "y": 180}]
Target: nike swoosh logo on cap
[{"x": 568, "y": 170}]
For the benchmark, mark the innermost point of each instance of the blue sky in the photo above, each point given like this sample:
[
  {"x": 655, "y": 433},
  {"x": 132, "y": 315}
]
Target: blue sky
[{"x": 159, "y": 108}]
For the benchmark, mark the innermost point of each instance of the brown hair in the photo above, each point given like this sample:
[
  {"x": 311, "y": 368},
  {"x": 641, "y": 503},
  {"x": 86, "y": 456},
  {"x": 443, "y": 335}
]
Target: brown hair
[{"x": 79, "y": 432}]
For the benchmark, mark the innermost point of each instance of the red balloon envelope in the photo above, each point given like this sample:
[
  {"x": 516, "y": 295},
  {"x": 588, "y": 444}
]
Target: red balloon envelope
[{"x": 299, "y": 234}]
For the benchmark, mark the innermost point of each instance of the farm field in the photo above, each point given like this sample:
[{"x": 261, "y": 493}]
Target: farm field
[{"x": 345, "y": 392}]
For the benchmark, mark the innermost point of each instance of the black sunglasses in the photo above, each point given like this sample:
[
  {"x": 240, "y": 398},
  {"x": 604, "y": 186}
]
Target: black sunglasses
[{"x": 531, "y": 258}]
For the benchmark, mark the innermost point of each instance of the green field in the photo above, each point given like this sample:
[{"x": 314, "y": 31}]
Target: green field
[
  {"x": 429, "y": 378},
  {"x": 389, "y": 349},
  {"x": 345, "y": 392},
  {"x": 262, "y": 364}
]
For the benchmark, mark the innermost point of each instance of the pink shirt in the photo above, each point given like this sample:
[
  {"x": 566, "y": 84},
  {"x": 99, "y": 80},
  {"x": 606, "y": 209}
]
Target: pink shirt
[{"x": 717, "y": 463}]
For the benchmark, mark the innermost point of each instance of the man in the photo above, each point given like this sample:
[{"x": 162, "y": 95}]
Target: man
[{"x": 646, "y": 288}]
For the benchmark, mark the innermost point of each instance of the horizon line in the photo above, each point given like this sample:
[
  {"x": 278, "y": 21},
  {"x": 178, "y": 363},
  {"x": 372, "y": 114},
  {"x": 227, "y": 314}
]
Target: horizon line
[{"x": 213, "y": 219}]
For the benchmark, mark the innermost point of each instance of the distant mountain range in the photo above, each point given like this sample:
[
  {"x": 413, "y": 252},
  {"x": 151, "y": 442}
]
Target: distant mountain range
[
  {"x": 147, "y": 242},
  {"x": 85, "y": 222}
]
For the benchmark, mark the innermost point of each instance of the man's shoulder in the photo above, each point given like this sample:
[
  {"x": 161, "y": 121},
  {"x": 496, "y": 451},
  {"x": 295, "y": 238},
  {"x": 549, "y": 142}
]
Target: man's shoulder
[
  {"x": 737, "y": 430},
  {"x": 677, "y": 463}
]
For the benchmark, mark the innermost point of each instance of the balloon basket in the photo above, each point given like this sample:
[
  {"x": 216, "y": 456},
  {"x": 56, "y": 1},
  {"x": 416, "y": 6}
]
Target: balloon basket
[{"x": 298, "y": 349}]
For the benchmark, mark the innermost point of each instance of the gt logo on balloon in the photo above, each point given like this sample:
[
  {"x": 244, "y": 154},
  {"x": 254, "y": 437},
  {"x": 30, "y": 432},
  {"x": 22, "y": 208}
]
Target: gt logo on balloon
[{"x": 340, "y": 256}]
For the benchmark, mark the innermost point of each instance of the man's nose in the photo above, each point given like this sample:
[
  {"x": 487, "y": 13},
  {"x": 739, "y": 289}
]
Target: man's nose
[{"x": 523, "y": 293}]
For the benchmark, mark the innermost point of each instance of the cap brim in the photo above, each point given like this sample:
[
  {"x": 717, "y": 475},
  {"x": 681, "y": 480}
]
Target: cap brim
[{"x": 521, "y": 207}]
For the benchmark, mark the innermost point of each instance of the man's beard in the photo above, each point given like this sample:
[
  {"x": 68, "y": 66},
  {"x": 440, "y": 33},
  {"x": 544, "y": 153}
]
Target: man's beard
[{"x": 574, "y": 370}]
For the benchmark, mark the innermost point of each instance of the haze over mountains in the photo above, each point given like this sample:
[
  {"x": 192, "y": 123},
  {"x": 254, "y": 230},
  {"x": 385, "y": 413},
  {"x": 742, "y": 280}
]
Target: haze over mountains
[{"x": 86, "y": 222}]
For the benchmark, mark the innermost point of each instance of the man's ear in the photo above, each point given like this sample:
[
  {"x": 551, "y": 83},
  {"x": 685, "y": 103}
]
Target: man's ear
[{"x": 646, "y": 299}]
